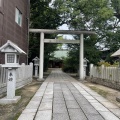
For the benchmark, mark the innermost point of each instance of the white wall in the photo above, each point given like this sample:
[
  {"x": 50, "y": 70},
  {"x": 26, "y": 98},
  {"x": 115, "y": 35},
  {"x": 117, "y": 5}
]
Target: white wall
[
  {"x": 23, "y": 77},
  {"x": 108, "y": 73}
]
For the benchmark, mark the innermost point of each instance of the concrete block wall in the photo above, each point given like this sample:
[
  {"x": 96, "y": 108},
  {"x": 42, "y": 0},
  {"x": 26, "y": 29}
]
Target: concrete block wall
[{"x": 108, "y": 83}]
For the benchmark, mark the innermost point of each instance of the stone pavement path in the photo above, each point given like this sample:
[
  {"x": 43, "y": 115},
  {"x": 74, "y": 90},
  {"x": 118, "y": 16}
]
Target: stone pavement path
[{"x": 61, "y": 97}]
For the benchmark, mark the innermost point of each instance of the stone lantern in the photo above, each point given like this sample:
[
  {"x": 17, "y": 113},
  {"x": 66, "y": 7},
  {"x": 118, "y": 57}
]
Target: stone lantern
[
  {"x": 85, "y": 62},
  {"x": 12, "y": 52},
  {"x": 36, "y": 64}
]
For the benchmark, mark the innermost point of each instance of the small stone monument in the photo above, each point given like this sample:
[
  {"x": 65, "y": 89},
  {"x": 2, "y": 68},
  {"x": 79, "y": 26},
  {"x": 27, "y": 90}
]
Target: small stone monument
[
  {"x": 36, "y": 64},
  {"x": 12, "y": 52}
]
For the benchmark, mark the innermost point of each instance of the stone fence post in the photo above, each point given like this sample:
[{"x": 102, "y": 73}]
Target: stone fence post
[
  {"x": 102, "y": 71},
  {"x": 31, "y": 64},
  {"x": 91, "y": 70}
]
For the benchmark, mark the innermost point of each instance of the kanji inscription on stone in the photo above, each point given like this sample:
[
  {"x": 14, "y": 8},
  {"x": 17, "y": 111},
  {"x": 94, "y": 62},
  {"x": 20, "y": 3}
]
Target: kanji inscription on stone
[{"x": 10, "y": 77}]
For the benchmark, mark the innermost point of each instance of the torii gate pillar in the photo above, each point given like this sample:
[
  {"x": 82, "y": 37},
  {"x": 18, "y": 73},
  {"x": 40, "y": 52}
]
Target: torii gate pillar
[
  {"x": 41, "y": 63},
  {"x": 81, "y": 58}
]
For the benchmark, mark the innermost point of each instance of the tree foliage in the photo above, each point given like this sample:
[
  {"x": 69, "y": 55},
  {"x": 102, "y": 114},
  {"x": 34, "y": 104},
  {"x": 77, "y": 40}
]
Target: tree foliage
[
  {"x": 42, "y": 16},
  {"x": 95, "y": 15},
  {"x": 116, "y": 6},
  {"x": 84, "y": 14},
  {"x": 71, "y": 63},
  {"x": 101, "y": 16}
]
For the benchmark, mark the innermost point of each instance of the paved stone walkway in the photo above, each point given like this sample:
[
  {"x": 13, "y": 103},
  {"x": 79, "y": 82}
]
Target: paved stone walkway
[{"x": 61, "y": 97}]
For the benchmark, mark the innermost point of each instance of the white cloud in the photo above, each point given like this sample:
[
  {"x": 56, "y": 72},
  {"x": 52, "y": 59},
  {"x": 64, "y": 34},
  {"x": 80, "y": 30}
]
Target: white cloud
[{"x": 65, "y": 36}]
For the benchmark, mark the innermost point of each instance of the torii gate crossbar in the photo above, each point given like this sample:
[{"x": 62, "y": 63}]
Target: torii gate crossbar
[{"x": 42, "y": 41}]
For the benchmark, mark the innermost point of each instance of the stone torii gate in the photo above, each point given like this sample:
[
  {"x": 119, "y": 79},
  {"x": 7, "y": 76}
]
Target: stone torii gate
[{"x": 75, "y": 32}]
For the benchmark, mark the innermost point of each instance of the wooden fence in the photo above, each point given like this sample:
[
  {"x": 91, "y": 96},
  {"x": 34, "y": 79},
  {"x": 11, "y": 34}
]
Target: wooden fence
[{"x": 108, "y": 76}]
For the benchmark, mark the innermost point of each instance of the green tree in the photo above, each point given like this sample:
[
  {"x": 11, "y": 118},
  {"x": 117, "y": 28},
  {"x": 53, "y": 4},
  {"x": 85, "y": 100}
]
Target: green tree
[
  {"x": 42, "y": 16},
  {"x": 84, "y": 14},
  {"x": 71, "y": 63},
  {"x": 116, "y": 6},
  {"x": 96, "y": 15}
]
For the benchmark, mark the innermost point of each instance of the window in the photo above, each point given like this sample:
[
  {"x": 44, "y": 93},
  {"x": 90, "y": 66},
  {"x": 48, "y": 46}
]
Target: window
[
  {"x": 0, "y": 3},
  {"x": 10, "y": 58},
  {"x": 18, "y": 17}
]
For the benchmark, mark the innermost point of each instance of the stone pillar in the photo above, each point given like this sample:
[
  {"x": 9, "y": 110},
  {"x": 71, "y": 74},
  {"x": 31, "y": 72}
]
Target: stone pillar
[
  {"x": 81, "y": 58},
  {"x": 36, "y": 71},
  {"x": 84, "y": 75},
  {"x": 119, "y": 62},
  {"x": 11, "y": 83},
  {"x": 102, "y": 71},
  {"x": 41, "y": 56},
  {"x": 31, "y": 64},
  {"x": 91, "y": 70}
]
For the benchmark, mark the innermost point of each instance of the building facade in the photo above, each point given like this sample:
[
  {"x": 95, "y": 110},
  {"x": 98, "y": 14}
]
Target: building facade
[{"x": 14, "y": 22}]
